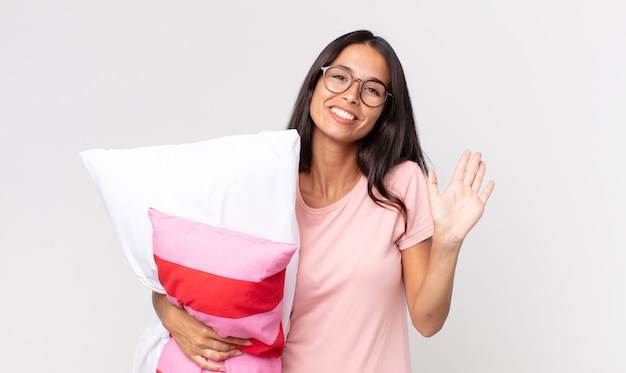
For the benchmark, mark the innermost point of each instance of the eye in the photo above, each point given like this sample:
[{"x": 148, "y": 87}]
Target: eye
[
  {"x": 340, "y": 77},
  {"x": 373, "y": 89}
]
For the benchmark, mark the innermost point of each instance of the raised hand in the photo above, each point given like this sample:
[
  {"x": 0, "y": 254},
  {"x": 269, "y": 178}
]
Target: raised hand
[{"x": 460, "y": 206}]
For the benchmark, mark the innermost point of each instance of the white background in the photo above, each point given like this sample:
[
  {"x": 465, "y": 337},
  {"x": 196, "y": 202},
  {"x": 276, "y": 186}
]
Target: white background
[{"x": 539, "y": 86}]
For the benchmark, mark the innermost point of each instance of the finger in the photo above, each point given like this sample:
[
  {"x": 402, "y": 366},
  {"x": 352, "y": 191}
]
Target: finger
[
  {"x": 207, "y": 364},
  {"x": 217, "y": 356},
  {"x": 480, "y": 174},
  {"x": 484, "y": 196},
  {"x": 237, "y": 341},
  {"x": 472, "y": 169},
  {"x": 459, "y": 171},
  {"x": 219, "y": 343}
]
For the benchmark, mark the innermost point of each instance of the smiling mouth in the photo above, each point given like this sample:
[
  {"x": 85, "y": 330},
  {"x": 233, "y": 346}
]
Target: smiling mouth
[{"x": 342, "y": 114}]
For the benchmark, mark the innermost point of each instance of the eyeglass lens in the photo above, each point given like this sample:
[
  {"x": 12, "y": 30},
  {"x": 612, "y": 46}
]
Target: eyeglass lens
[{"x": 338, "y": 80}]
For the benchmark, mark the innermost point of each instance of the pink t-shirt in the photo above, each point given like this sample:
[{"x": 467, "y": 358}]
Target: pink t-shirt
[{"x": 349, "y": 313}]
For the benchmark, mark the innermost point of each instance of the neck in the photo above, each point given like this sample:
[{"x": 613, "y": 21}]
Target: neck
[{"x": 334, "y": 172}]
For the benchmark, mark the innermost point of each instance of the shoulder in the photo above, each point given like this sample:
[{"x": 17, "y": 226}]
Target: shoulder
[{"x": 403, "y": 175}]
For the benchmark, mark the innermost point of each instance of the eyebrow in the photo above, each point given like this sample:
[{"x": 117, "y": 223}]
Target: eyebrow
[{"x": 365, "y": 80}]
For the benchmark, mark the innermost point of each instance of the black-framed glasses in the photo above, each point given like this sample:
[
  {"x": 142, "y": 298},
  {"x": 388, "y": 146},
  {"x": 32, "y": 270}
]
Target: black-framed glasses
[{"x": 338, "y": 79}]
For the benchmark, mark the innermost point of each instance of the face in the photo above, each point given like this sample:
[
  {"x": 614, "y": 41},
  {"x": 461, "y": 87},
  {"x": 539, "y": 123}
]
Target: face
[{"x": 343, "y": 117}]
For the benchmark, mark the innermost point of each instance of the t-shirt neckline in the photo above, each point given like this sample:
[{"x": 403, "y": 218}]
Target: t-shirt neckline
[{"x": 361, "y": 184}]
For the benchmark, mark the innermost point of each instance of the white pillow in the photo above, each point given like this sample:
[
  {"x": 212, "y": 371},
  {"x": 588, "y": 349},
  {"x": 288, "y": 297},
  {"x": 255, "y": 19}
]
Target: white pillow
[{"x": 245, "y": 183}]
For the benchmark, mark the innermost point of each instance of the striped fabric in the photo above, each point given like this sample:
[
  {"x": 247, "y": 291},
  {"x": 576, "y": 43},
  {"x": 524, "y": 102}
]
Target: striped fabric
[{"x": 229, "y": 280}]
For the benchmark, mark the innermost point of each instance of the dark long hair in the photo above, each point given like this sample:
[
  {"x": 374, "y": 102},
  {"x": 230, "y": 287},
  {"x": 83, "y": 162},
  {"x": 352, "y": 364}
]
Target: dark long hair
[{"x": 394, "y": 137}]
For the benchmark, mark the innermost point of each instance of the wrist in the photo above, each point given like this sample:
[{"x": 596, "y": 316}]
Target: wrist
[{"x": 445, "y": 244}]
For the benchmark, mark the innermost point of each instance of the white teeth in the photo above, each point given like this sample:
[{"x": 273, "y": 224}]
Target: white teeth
[{"x": 342, "y": 114}]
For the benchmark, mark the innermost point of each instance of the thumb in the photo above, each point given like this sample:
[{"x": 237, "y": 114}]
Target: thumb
[{"x": 431, "y": 183}]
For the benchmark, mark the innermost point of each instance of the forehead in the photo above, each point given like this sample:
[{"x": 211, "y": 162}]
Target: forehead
[{"x": 364, "y": 62}]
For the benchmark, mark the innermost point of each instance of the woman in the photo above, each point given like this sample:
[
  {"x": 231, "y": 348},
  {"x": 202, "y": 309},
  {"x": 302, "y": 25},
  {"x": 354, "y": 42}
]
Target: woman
[{"x": 376, "y": 236}]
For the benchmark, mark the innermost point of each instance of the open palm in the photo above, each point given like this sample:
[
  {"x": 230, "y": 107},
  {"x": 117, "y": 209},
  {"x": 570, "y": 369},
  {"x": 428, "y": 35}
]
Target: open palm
[{"x": 456, "y": 210}]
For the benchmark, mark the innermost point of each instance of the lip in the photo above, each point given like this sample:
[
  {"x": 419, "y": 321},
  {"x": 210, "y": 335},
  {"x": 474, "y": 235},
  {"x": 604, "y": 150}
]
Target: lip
[{"x": 340, "y": 118}]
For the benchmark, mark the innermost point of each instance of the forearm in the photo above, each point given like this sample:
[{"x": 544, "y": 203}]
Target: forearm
[
  {"x": 167, "y": 312},
  {"x": 431, "y": 305},
  {"x": 158, "y": 303},
  {"x": 175, "y": 319}
]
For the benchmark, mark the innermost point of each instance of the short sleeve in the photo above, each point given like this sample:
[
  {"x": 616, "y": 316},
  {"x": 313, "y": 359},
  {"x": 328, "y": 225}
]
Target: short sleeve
[{"x": 408, "y": 182}]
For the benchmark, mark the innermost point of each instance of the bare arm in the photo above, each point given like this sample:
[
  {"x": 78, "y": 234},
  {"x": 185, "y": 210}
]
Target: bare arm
[
  {"x": 429, "y": 267},
  {"x": 197, "y": 340}
]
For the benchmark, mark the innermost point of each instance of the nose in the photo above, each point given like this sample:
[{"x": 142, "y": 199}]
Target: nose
[{"x": 352, "y": 94}]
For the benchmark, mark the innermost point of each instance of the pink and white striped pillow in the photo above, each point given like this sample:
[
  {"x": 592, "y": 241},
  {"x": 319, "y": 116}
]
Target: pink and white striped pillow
[{"x": 227, "y": 279}]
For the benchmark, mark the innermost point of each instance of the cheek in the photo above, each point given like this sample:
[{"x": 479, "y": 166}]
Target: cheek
[
  {"x": 316, "y": 108},
  {"x": 372, "y": 117},
  {"x": 368, "y": 128}
]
